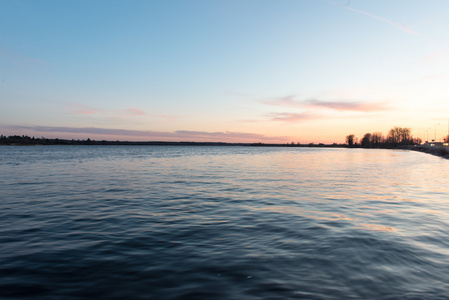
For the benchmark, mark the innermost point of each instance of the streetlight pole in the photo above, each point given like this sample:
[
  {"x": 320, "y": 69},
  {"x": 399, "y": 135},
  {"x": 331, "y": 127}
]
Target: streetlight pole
[{"x": 436, "y": 132}]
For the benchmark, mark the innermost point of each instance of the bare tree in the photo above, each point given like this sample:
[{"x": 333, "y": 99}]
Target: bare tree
[
  {"x": 377, "y": 138},
  {"x": 405, "y": 136},
  {"x": 398, "y": 135},
  {"x": 394, "y": 135},
  {"x": 350, "y": 139}
]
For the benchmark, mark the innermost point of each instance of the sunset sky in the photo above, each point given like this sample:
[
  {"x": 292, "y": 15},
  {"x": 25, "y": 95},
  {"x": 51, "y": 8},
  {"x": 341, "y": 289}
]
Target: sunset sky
[{"x": 231, "y": 71}]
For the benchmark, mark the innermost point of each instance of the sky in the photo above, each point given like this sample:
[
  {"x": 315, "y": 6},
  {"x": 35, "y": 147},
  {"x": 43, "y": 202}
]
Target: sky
[{"x": 270, "y": 71}]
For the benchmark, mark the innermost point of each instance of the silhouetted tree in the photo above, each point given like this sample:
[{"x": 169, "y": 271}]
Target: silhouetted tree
[
  {"x": 366, "y": 140},
  {"x": 394, "y": 135},
  {"x": 398, "y": 135},
  {"x": 405, "y": 136},
  {"x": 377, "y": 138},
  {"x": 350, "y": 139}
]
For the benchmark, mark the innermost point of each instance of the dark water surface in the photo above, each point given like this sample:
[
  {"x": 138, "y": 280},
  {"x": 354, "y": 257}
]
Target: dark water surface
[{"x": 222, "y": 223}]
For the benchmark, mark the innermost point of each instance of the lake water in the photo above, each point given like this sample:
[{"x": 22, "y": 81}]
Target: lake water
[{"x": 155, "y": 222}]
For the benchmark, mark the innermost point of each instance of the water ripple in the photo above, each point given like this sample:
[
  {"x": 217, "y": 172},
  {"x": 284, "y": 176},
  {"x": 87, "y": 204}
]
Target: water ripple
[{"x": 222, "y": 223}]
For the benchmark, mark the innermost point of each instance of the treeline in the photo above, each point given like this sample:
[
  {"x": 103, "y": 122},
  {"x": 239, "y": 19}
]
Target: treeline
[
  {"x": 27, "y": 140},
  {"x": 396, "y": 136},
  {"x": 24, "y": 140}
]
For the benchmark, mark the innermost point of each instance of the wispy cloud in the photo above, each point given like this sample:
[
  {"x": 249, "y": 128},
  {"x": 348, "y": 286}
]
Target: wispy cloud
[
  {"x": 135, "y": 111},
  {"x": 293, "y": 117},
  {"x": 348, "y": 105},
  {"x": 314, "y": 109},
  {"x": 404, "y": 27},
  {"x": 82, "y": 109},
  {"x": 360, "y": 106},
  {"x": 286, "y": 101},
  {"x": 148, "y": 135}
]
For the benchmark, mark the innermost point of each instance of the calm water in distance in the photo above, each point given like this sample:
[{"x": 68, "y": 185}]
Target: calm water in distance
[{"x": 155, "y": 222}]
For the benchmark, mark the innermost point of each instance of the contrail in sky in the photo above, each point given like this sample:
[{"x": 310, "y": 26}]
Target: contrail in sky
[{"x": 402, "y": 27}]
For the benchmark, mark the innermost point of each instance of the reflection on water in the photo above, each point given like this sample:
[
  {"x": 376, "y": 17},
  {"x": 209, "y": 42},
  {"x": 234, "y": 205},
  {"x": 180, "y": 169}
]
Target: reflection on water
[{"x": 222, "y": 223}]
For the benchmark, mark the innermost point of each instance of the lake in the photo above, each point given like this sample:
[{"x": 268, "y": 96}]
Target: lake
[{"x": 192, "y": 222}]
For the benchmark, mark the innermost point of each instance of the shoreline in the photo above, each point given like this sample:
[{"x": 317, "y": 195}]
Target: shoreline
[
  {"x": 437, "y": 150},
  {"x": 440, "y": 151}
]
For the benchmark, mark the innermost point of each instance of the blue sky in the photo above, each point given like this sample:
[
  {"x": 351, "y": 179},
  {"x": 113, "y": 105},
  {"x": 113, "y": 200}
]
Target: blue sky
[{"x": 268, "y": 71}]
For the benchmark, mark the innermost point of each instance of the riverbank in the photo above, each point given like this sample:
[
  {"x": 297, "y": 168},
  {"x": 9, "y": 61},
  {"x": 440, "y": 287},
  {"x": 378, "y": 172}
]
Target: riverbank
[{"x": 441, "y": 151}]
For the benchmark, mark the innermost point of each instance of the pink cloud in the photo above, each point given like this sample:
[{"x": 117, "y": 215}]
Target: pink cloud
[
  {"x": 135, "y": 111},
  {"x": 148, "y": 135},
  {"x": 347, "y": 106},
  {"x": 361, "y": 106},
  {"x": 293, "y": 117}
]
